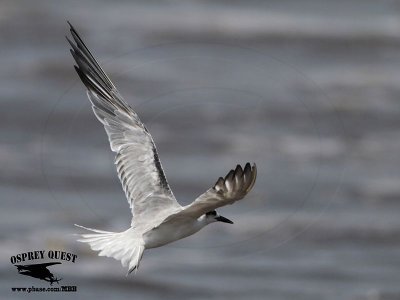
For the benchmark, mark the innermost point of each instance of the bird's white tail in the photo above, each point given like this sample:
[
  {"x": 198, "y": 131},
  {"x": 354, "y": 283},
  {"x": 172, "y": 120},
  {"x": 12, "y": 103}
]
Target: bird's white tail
[{"x": 122, "y": 246}]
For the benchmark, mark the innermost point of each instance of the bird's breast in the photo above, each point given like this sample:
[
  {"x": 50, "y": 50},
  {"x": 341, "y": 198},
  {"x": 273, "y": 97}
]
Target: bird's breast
[{"x": 169, "y": 232}]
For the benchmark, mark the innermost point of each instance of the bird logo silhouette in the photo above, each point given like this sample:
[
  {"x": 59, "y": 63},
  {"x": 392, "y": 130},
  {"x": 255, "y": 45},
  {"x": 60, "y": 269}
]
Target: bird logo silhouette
[{"x": 39, "y": 271}]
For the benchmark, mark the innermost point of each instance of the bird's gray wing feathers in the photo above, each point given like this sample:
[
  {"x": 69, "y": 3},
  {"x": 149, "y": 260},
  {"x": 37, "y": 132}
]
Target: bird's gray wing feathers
[
  {"x": 139, "y": 168},
  {"x": 233, "y": 187}
]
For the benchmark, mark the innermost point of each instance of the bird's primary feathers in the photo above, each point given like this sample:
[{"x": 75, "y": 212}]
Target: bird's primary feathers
[{"x": 158, "y": 219}]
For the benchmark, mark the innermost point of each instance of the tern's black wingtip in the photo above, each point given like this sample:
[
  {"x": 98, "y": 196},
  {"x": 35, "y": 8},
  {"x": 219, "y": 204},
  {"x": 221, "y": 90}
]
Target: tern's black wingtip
[
  {"x": 72, "y": 29},
  {"x": 69, "y": 41}
]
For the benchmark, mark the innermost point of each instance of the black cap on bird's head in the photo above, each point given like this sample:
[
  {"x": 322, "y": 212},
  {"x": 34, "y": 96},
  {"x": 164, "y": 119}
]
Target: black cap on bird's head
[{"x": 213, "y": 214}]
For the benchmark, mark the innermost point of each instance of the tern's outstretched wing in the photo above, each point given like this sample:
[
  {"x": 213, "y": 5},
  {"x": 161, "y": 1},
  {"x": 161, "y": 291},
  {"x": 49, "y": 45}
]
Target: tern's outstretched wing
[
  {"x": 236, "y": 184},
  {"x": 138, "y": 166}
]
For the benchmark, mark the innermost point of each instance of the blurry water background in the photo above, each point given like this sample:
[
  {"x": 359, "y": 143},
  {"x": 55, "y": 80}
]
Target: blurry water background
[{"x": 307, "y": 89}]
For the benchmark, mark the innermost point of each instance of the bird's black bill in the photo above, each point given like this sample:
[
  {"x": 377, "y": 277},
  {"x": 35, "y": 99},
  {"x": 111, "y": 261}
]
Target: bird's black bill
[{"x": 223, "y": 219}]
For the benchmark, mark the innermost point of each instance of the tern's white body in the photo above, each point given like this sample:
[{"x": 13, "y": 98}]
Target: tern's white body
[
  {"x": 172, "y": 231},
  {"x": 158, "y": 219}
]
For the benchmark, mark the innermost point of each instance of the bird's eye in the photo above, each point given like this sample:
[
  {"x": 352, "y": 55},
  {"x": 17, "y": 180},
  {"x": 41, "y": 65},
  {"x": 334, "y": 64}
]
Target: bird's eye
[{"x": 211, "y": 213}]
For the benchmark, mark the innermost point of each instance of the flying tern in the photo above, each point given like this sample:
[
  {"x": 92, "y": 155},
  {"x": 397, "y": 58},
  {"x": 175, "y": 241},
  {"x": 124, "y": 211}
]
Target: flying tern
[{"x": 158, "y": 219}]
